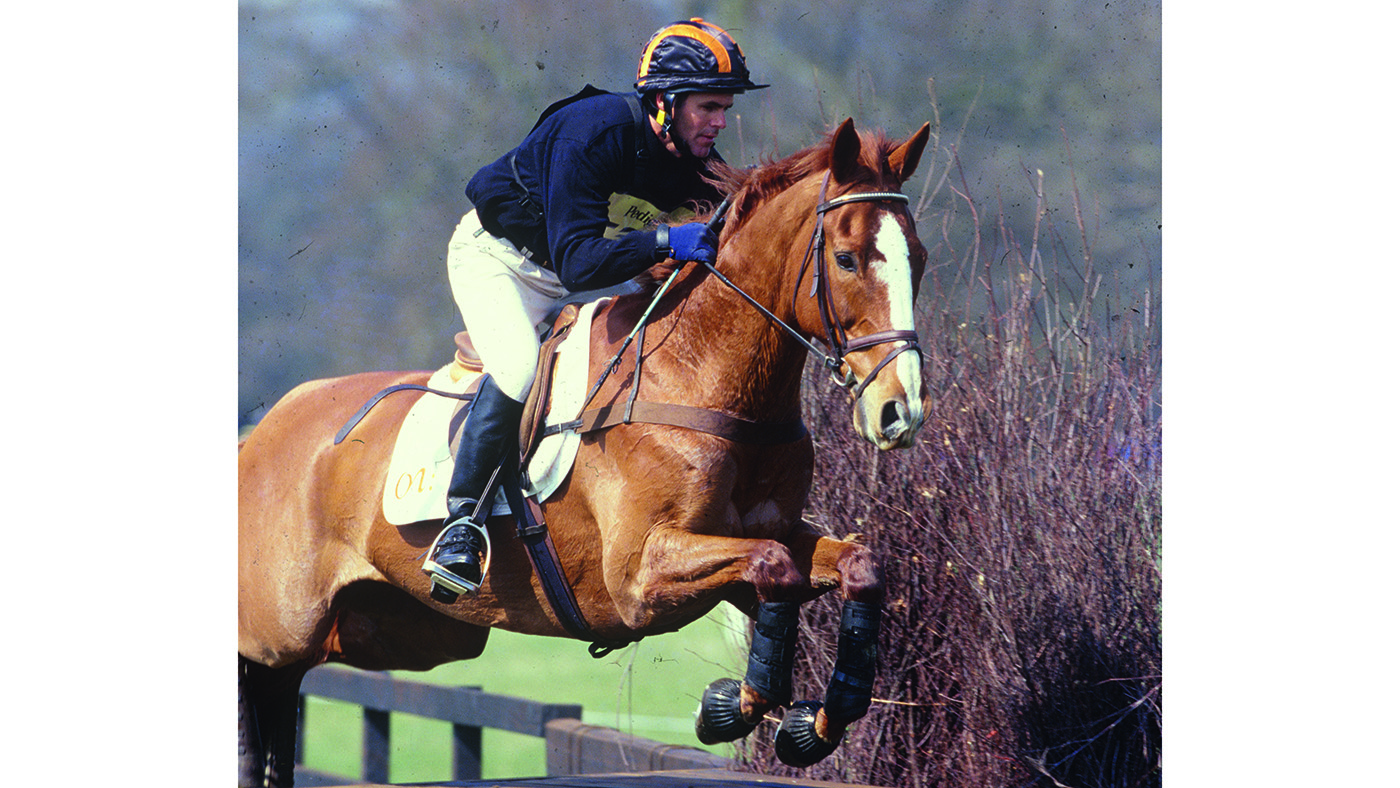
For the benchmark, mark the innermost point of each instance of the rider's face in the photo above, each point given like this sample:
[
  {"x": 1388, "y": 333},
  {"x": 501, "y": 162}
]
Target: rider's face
[{"x": 699, "y": 118}]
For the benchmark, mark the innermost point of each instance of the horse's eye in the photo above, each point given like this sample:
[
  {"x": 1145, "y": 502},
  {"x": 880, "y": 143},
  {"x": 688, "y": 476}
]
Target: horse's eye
[{"x": 846, "y": 261}]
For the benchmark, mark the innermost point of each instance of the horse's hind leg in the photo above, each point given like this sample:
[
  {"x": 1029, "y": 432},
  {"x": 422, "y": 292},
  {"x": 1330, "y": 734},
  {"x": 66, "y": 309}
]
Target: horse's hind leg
[
  {"x": 267, "y": 724},
  {"x": 250, "y": 747}
]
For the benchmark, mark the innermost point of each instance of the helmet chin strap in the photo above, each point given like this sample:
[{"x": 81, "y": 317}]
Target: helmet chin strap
[{"x": 666, "y": 114}]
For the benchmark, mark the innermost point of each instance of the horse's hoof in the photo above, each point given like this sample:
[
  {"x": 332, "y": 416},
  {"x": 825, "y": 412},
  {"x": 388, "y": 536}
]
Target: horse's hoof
[
  {"x": 719, "y": 718},
  {"x": 797, "y": 743}
]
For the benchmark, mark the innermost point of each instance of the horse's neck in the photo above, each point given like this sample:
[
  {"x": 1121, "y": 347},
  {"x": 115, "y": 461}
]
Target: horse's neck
[{"x": 740, "y": 359}]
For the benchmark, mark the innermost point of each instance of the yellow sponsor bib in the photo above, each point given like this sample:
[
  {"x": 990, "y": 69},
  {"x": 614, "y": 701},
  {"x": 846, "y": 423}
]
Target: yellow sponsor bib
[{"x": 627, "y": 213}]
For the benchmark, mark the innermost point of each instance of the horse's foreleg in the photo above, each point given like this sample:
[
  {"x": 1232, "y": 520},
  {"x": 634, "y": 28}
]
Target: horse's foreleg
[
  {"x": 730, "y": 710},
  {"x": 863, "y": 594},
  {"x": 848, "y": 694},
  {"x": 811, "y": 731},
  {"x": 679, "y": 567}
]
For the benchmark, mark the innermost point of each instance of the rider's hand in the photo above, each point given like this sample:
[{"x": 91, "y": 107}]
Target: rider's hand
[{"x": 688, "y": 242}]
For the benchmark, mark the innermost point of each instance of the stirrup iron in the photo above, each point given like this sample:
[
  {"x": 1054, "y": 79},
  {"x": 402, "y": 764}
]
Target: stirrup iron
[{"x": 446, "y": 583}]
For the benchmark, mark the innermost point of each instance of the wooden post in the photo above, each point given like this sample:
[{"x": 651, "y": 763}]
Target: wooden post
[
  {"x": 466, "y": 752},
  {"x": 374, "y": 767}
]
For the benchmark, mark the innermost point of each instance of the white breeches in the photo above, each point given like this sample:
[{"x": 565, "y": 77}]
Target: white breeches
[{"x": 504, "y": 299}]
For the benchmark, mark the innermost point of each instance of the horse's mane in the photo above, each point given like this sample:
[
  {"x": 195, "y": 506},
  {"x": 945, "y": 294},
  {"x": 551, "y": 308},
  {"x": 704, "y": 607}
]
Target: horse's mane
[{"x": 748, "y": 187}]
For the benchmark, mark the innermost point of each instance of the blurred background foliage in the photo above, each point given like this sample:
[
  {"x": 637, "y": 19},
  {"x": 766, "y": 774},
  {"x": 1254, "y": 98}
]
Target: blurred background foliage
[{"x": 360, "y": 122}]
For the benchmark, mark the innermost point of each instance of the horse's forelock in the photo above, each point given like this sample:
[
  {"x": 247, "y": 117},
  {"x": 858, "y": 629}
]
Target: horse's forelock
[{"x": 875, "y": 153}]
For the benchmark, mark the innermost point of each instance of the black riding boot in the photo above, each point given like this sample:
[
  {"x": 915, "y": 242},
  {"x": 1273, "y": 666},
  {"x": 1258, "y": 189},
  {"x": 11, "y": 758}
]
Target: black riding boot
[{"x": 488, "y": 434}]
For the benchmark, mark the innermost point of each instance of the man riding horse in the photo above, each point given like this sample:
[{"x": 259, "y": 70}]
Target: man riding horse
[{"x": 586, "y": 201}]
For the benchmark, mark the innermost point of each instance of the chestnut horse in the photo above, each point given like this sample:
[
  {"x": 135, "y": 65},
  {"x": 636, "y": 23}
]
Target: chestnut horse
[{"x": 657, "y": 524}]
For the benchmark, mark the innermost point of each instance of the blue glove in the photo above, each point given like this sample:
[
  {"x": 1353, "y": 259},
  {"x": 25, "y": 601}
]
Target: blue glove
[{"x": 690, "y": 242}]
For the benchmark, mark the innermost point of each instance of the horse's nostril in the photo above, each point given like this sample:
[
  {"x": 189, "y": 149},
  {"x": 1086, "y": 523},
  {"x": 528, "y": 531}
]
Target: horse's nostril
[{"x": 893, "y": 417}]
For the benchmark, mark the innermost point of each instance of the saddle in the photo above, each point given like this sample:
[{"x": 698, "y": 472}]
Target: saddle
[
  {"x": 422, "y": 457},
  {"x": 466, "y": 364}
]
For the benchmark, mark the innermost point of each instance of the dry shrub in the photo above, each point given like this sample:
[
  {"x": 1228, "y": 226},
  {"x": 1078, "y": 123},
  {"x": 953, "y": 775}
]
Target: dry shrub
[{"x": 1020, "y": 537}]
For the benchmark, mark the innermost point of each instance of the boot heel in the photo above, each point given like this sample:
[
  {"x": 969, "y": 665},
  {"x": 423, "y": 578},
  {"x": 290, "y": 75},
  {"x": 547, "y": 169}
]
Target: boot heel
[{"x": 440, "y": 593}]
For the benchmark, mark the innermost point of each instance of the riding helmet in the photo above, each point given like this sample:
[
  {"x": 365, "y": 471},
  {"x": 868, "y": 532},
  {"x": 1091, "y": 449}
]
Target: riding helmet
[{"x": 693, "y": 56}]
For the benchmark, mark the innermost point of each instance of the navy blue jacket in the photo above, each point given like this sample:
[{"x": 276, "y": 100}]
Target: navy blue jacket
[{"x": 579, "y": 165}]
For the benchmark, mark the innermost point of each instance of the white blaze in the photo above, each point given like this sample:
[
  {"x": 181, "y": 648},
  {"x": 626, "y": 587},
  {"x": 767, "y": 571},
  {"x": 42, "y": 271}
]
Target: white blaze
[{"x": 894, "y": 271}]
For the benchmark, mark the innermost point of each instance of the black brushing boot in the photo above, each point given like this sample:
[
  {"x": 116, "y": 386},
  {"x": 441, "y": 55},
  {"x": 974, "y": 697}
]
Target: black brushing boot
[{"x": 489, "y": 434}]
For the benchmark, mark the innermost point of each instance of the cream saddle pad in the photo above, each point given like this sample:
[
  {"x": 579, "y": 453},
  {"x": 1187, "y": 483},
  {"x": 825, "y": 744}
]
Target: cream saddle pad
[{"x": 415, "y": 488}]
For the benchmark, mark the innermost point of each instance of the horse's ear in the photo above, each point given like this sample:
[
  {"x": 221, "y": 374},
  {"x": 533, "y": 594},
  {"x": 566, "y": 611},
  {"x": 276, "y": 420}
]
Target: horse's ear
[
  {"x": 905, "y": 159},
  {"x": 845, "y": 152}
]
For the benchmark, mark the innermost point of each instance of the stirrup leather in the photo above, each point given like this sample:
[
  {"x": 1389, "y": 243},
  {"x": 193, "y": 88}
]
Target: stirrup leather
[{"x": 449, "y": 580}]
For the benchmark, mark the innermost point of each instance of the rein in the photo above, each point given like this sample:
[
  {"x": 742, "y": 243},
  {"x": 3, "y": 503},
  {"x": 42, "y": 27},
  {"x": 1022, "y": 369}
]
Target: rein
[{"x": 716, "y": 219}]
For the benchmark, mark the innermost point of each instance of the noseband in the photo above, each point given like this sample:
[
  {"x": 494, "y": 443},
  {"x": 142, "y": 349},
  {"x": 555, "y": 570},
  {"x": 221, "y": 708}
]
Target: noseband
[{"x": 836, "y": 338}]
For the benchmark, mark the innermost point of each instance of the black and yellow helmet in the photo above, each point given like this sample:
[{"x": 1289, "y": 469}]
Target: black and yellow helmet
[{"x": 693, "y": 56}]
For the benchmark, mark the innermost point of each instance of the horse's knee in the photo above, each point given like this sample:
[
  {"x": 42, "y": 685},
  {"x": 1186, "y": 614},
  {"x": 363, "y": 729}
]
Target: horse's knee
[
  {"x": 772, "y": 572},
  {"x": 861, "y": 578}
]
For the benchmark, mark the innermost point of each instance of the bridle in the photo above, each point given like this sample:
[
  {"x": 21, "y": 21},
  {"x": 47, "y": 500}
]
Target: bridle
[
  {"x": 836, "y": 338},
  {"x": 821, "y": 288}
]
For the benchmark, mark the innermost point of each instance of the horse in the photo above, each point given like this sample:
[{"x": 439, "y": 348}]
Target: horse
[{"x": 656, "y": 524}]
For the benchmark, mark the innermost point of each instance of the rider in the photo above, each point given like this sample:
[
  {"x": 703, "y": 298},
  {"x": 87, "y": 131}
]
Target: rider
[{"x": 584, "y": 202}]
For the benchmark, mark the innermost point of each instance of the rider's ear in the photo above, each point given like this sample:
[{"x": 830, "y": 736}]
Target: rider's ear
[
  {"x": 905, "y": 159},
  {"x": 845, "y": 152}
]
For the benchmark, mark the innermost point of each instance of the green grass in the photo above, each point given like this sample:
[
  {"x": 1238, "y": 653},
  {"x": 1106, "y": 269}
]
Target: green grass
[{"x": 649, "y": 689}]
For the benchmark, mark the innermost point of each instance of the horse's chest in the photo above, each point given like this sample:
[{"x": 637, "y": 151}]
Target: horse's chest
[
  {"x": 763, "y": 515},
  {"x": 770, "y": 501}
]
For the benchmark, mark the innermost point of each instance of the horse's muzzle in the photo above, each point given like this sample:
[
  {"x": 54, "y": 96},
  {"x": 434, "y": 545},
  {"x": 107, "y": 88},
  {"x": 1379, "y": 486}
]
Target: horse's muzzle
[
  {"x": 890, "y": 419},
  {"x": 890, "y": 424}
]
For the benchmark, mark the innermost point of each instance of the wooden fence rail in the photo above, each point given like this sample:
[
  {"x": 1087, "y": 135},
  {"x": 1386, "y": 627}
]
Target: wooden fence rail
[{"x": 571, "y": 746}]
